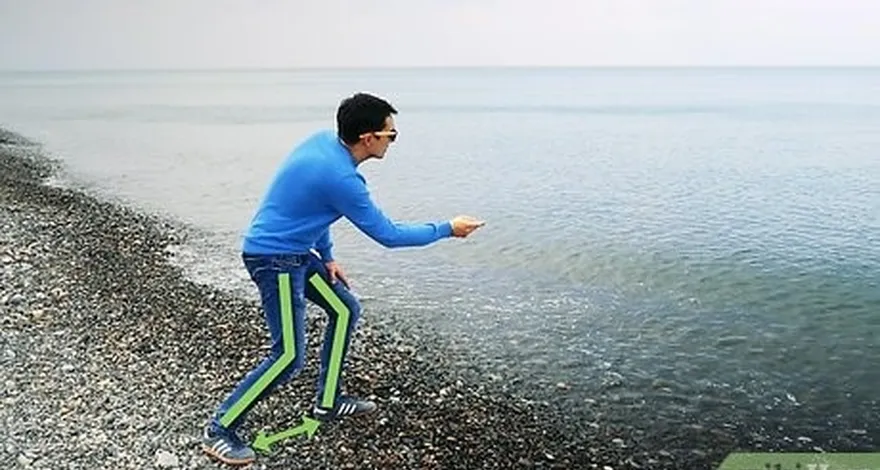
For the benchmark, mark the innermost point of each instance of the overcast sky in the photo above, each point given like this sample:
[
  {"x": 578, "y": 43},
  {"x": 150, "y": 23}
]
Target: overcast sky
[{"x": 64, "y": 34}]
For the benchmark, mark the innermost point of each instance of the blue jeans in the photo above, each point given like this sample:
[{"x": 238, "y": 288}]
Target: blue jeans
[{"x": 285, "y": 282}]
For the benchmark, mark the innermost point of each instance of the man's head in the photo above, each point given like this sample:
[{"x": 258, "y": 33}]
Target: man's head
[{"x": 366, "y": 124}]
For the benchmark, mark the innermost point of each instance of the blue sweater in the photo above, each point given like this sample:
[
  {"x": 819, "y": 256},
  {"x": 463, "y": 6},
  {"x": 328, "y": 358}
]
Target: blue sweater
[{"x": 316, "y": 185}]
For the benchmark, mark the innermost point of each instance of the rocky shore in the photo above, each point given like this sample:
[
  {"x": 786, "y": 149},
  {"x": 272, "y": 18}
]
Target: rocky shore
[{"x": 111, "y": 358}]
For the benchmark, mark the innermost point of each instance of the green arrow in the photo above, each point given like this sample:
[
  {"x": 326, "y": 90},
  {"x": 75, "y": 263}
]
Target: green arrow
[
  {"x": 339, "y": 335},
  {"x": 308, "y": 427}
]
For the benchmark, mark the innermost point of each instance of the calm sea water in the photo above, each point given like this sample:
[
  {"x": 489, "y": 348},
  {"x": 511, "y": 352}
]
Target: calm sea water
[{"x": 681, "y": 245}]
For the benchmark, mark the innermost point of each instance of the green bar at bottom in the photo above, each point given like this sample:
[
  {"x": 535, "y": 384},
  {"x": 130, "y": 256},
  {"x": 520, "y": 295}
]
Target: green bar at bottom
[{"x": 801, "y": 461}]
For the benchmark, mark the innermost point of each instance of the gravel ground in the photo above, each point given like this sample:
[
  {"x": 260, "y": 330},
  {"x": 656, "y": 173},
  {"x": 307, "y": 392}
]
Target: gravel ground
[{"x": 111, "y": 358}]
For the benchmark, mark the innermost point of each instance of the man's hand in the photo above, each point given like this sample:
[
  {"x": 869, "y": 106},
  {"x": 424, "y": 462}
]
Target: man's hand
[
  {"x": 463, "y": 225},
  {"x": 336, "y": 273}
]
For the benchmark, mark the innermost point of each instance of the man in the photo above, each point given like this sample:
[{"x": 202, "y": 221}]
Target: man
[{"x": 288, "y": 254}]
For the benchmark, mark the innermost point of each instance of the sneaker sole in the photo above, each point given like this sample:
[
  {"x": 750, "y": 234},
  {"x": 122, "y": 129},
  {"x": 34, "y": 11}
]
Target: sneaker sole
[
  {"x": 331, "y": 418},
  {"x": 226, "y": 460}
]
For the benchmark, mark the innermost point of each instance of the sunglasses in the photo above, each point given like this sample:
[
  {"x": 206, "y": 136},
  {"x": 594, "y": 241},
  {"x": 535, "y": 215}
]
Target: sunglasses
[{"x": 392, "y": 134}]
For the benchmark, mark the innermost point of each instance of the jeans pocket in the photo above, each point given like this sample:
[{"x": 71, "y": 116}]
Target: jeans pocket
[{"x": 258, "y": 264}]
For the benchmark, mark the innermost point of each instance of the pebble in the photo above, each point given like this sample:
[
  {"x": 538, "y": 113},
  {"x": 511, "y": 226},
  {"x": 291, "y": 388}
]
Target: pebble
[
  {"x": 166, "y": 459},
  {"x": 12, "y": 299}
]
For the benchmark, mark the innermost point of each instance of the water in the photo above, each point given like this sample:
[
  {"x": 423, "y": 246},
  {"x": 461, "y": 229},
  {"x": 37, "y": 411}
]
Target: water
[{"x": 678, "y": 245}]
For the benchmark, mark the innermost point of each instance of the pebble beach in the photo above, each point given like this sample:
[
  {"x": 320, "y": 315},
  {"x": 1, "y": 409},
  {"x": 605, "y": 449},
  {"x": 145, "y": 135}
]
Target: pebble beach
[{"x": 110, "y": 357}]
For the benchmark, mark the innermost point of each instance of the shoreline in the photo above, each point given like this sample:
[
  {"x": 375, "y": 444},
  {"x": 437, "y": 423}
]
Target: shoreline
[{"x": 113, "y": 358}]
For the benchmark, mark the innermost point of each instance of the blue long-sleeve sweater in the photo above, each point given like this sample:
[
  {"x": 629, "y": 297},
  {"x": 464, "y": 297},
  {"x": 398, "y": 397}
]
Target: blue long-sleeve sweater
[{"x": 317, "y": 184}]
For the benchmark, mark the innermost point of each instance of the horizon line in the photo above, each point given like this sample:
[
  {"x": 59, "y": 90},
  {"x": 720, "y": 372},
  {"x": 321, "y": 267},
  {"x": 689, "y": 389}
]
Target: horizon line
[{"x": 429, "y": 67}]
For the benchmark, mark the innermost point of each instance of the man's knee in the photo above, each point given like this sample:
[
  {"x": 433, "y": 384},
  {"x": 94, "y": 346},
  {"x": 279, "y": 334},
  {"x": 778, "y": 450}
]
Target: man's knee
[
  {"x": 291, "y": 361},
  {"x": 352, "y": 304},
  {"x": 352, "y": 313},
  {"x": 293, "y": 368},
  {"x": 354, "y": 308},
  {"x": 293, "y": 364}
]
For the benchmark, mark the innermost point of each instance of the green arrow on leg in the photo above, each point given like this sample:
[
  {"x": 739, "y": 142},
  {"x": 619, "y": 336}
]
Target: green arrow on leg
[
  {"x": 337, "y": 348},
  {"x": 308, "y": 427}
]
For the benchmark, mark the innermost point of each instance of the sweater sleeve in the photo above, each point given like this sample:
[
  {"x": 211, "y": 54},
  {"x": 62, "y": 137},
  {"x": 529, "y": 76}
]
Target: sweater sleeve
[
  {"x": 352, "y": 199},
  {"x": 324, "y": 245}
]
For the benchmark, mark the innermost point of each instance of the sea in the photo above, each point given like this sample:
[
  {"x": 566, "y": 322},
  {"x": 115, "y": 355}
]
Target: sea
[{"x": 664, "y": 247}]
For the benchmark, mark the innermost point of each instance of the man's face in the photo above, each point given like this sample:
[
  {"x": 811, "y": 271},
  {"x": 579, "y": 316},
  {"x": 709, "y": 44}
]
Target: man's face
[{"x": 377, "y": 142}]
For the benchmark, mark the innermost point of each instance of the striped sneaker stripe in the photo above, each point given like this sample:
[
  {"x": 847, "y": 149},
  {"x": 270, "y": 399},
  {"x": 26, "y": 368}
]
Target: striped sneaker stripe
[{"x": 221, "y": 447}]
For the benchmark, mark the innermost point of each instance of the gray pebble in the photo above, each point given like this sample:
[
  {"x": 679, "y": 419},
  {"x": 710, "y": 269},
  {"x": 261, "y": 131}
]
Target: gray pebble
[{"x": 166, "y": 459}]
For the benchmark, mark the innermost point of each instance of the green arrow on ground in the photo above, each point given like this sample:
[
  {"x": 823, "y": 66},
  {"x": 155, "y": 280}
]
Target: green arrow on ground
[{"x": 308, "y": 427}]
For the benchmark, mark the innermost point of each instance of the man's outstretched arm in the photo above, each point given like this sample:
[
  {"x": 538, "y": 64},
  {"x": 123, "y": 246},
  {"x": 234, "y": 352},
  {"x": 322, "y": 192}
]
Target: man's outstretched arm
[{"x": 351, "y": 198}]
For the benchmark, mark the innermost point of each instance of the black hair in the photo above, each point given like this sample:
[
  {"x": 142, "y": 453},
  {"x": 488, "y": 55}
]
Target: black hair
[{"x": 359, "y": 114}]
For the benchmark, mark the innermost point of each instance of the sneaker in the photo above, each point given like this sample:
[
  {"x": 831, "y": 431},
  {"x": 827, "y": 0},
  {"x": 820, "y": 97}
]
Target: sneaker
[
  {"x": 345, "y": 406},
  {"x": 226, "y": 447}
]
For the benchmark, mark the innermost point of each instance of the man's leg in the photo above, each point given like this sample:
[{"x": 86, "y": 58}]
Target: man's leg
[
  {"x": 343, "y": 311},
  {"x": 281, "y": 284}
]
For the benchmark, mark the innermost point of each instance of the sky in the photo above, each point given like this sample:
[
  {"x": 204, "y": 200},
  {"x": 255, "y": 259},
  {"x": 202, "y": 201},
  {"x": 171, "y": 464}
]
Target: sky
[{"x": 193, "y": 34}]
